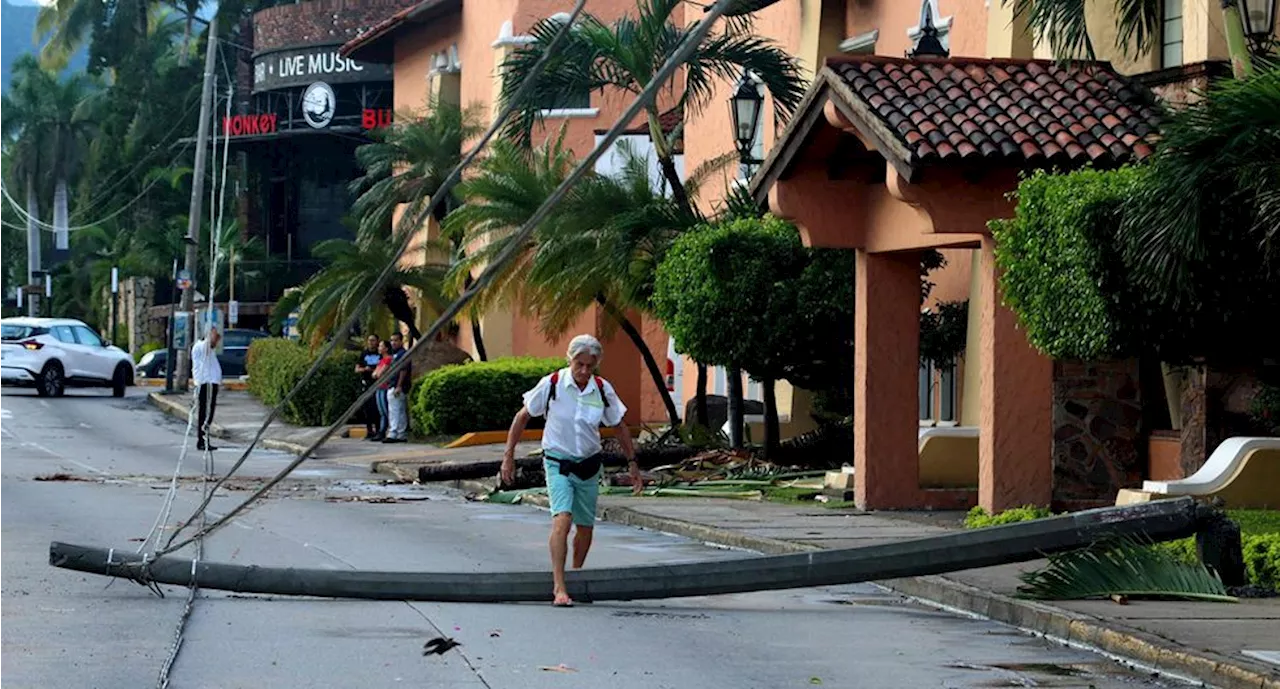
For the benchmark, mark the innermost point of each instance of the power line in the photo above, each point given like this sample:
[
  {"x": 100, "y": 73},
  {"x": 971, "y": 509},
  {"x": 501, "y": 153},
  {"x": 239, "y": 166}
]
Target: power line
[{"x": 515, "y": 243}]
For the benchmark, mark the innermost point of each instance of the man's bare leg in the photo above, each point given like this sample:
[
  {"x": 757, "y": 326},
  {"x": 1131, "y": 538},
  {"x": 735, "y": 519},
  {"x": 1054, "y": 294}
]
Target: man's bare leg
[
  {"x": 581, "y": 544},
  {"x": 559, "y": 551}
]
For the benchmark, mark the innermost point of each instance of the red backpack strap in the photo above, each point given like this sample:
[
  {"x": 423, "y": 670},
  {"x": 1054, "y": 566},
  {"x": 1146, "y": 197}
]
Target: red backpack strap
[
  {"x": 600, "y": 387},
  {"x": 555, "y": 381}
]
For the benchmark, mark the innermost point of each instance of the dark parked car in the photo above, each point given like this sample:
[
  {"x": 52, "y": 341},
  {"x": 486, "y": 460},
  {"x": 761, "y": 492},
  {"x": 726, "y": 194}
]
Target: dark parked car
[{"x": 235, "y": 346}]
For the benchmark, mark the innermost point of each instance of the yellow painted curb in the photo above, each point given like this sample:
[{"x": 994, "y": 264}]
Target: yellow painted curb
[{"x": 496, "y": 437}]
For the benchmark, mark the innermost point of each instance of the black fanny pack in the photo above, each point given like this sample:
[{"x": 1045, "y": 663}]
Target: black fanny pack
[{"x": 584, "y": 469}]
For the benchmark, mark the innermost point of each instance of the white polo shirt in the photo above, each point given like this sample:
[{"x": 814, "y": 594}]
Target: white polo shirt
[{"x": 573, "y": 424}]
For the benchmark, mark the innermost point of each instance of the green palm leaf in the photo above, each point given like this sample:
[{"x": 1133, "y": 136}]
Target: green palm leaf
[{"x": 1125, "y": 567}]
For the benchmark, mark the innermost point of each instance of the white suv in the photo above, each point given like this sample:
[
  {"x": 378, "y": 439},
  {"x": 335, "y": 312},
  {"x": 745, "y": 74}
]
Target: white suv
[{"x": 51, "y": 354}]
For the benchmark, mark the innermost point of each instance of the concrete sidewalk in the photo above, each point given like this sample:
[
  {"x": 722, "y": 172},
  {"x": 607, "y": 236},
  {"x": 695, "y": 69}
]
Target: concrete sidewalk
[
  {"x": 1199, "y": 642},
  {"x": 239, "y": 415}
]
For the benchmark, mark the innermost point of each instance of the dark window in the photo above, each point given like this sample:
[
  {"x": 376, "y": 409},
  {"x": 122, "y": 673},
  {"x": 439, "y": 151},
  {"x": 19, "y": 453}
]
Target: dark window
[
  {"x": 87, "y": 337},
  {"x": 21, "y": 332}
]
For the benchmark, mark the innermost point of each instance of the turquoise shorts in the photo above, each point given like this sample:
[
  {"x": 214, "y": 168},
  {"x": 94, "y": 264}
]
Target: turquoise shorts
[{"x": 569, "y": 493}]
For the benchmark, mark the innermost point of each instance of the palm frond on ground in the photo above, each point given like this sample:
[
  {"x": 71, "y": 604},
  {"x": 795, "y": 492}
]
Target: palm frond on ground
[{"x": 1125, "y": 567}]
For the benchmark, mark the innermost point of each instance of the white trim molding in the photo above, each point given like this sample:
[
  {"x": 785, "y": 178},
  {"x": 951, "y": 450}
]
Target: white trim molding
[
  {"x": 568, "y": 113},
  {"x": 507, "y": 37},
  {"x": 943, "y": 24},
  {"x": 862, "y": 44}
]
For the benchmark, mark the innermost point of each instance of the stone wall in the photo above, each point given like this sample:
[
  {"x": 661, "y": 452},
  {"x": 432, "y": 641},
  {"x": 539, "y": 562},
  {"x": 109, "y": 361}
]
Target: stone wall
[
  {"x": 1098, "y": 442},
  {"x": 319, "y": 21}
]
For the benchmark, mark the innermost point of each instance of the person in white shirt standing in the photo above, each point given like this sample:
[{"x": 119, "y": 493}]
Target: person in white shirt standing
[
  {"x": 576, "y": 403},
  {"x": 206, "y": 373}
]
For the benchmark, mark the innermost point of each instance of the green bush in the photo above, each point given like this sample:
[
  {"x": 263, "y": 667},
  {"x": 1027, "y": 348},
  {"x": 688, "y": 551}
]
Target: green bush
[
  {"x": 978, "y": 518},
  {"x": 478, "y": 396},
  {"x": 1259, "y": 539},
  {"x": 276, "y": 365},
  {"x": 1059, "y": 262}
]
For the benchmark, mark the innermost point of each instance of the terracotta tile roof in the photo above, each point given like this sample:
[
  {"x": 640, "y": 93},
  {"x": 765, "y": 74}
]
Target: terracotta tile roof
[
  {"x": 963, "y": 109},
  {"x": 366, "y": 40}
]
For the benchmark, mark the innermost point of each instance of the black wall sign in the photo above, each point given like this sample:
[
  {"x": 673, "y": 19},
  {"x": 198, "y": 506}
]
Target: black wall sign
[{"x": 302, "y": 66}]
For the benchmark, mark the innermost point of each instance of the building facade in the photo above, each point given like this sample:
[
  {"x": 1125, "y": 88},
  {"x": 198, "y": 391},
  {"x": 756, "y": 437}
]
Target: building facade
[{"x": 298, "y": 112}]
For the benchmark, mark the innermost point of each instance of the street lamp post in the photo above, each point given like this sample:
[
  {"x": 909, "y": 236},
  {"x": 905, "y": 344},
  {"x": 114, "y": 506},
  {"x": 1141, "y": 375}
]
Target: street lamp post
[
  {"x": 1259, "y": 19},
  {"x": 745, "y": 107}
]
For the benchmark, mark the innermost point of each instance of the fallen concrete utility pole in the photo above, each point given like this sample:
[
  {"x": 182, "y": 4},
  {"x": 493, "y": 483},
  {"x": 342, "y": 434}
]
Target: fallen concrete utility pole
[{"x": 1157, "y": 521}]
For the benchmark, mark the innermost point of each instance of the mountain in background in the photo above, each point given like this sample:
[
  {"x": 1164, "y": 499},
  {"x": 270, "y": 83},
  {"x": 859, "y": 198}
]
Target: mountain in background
[{"x": 17, "y": 38}]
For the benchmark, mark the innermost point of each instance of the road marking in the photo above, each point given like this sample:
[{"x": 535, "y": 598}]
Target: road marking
[
  {"x": 82, "y": 465},
  {"x": 6, "y": 414},
  {"x": 85, "y": 425}
]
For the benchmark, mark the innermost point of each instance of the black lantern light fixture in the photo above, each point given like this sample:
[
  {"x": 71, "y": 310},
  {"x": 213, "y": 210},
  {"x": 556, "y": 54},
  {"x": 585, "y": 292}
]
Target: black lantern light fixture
[
  {"x": 1259, "y": 18},
  {"x": 745, "y": 108}
]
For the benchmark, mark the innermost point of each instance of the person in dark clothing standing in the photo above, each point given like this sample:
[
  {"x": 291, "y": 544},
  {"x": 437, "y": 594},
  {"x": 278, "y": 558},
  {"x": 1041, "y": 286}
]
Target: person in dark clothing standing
[{"x": 374, "y": 423}]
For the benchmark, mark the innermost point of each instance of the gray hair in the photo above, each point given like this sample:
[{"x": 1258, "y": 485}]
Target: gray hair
[{"x": 585, "y": 344}]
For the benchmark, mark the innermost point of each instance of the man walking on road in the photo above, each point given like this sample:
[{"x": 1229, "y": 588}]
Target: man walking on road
[
  {"x": 398, "y": 395},
  {"x": 206, "y": 373},
  {"x": 576, "y": 403}
]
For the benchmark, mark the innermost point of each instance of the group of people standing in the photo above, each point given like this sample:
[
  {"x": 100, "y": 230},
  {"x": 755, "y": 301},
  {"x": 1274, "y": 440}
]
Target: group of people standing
[{"x": 387, "y": 412}]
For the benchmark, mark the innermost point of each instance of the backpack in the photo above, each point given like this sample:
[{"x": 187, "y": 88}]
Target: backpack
[{"x": 555, "y": 380}]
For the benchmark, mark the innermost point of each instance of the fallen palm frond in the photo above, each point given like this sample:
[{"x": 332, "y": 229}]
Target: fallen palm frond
[{"x": 1121, "y": 568}]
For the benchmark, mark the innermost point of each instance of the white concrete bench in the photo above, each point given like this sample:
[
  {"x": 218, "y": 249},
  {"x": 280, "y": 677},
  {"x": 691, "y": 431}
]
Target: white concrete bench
[
  {"x": 1244, "y": 471},
  {"x": 948, "y": 456}
]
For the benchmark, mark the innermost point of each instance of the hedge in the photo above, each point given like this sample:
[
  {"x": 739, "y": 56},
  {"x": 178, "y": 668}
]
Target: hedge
[
  {"x": 1259, "y": 538},
  {"x": 477, "y": 396},
  {"x": 275, "y": 366},
  {"x": 1060, "y": 264}
]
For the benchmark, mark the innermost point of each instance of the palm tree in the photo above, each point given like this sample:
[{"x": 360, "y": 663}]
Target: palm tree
[
  {"x": 600, "y": 247},
  {"x": 26, "y": 138},
  {"x": 509, "y": 184},
  {"x": 404, "y": 167},
  {"x": 329, "y": 297},
  {"x": 1062, "y": 24},
  {"x": 623, "y": 56}
]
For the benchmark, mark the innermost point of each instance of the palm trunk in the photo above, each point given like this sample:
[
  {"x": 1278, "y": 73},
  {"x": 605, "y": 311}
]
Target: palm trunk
[
  {"x": 1237, "y": 44},
  {"x": 735, "y": 408},
  {"x": 186, "y": 43},
  {"x": 772, "y": 429},
  {"x": 33, "y": 240},
  {"x": 700, "y": 399},
  {"x": 476, "y": 336},
  {"x": 60, "y": 212},
  {"x": 659, "y": 380}
]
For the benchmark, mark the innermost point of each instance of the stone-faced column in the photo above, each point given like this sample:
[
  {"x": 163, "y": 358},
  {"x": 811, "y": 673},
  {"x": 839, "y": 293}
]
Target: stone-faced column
[
  {"x": 1015, "y": 441},
  {"x": 886, "y": 374}
]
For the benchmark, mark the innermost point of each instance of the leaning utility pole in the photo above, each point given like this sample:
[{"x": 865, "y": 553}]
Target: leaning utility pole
[{"x": 197, "y": 195}]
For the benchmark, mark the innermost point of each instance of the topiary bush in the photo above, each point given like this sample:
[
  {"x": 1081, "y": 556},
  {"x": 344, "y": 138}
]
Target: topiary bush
[
  {"x": 276, "y": 365},
  {"x": 1060, "y": 266},
  {"x": 477, "y": 396}
]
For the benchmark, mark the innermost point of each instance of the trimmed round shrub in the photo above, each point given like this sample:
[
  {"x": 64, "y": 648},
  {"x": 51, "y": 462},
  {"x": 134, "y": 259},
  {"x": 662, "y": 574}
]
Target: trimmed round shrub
[
  {"x": 477, "y": 396},
  {"x": 275, "y": 366}
]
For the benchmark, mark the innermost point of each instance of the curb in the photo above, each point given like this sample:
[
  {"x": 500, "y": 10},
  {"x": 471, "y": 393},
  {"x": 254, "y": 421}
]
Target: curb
[
  {"x": 176, "y": 410},
  {"x": 1064, "y": 626},
  {"x": 1057, "y": 624}
]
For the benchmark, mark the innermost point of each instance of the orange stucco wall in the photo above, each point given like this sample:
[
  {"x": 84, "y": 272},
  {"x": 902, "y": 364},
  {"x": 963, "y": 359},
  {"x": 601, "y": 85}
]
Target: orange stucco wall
[{"x": 474, "y": 31}]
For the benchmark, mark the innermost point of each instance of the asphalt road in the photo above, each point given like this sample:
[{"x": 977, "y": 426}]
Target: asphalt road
[{"x": 67, "y": 629}]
